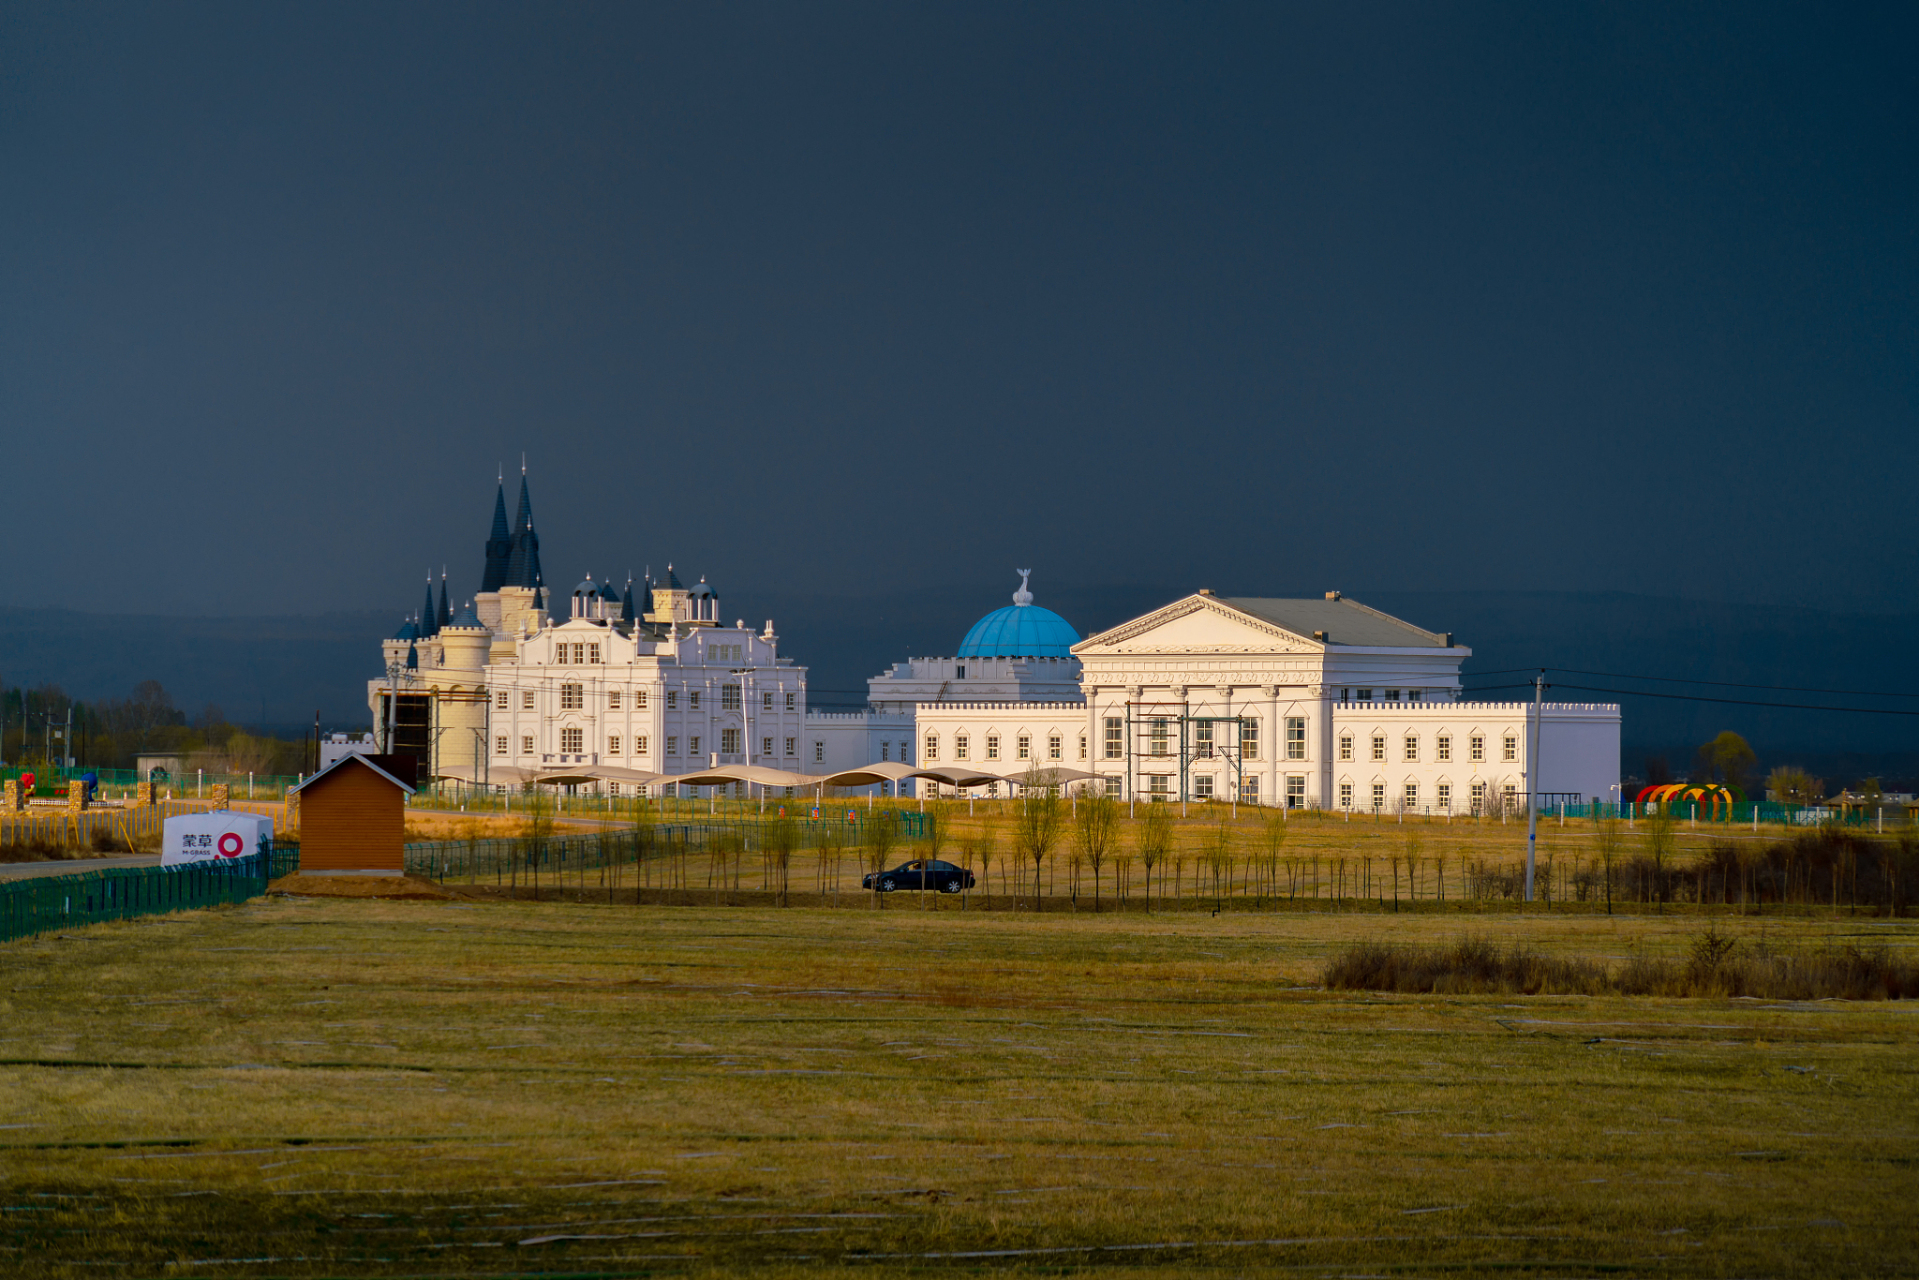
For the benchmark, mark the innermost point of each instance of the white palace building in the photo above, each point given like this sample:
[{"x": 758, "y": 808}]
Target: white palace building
[{"x": 1315, "y": 703}]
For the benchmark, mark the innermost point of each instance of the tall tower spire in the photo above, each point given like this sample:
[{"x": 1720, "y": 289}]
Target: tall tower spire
[
  {"x": 523, "y": 566},
  {"x": 429, "y": 616},
  {"x": 499, "y": 544},
  {"x": 446, "y": 613}
]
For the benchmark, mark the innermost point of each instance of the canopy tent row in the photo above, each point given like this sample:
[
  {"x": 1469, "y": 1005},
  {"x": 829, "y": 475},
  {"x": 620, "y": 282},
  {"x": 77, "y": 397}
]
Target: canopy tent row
[{"x": 882, "y": 771}]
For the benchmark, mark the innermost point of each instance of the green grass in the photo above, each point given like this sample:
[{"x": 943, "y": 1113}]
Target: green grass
[{"x": 311, "y": 1087}]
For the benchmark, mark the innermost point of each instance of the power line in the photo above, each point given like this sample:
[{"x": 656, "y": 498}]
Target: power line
[
  {"x": 1695, "y": 697},
  {"x": 1727, "y": 684}
]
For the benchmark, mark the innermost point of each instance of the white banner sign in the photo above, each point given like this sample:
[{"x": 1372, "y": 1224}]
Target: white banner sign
[{"x": 220, "y": 836}]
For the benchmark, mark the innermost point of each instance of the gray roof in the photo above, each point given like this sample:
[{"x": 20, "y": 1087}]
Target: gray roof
[{"x": 1345, "y": 622}]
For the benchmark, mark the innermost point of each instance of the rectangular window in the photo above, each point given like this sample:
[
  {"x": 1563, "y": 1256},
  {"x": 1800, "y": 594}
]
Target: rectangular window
[
  {"x": 672, "y": 744},
  {"x": 766, "y": 746},
  {"x": 1414, "y": 695},
  {"x": 612, "y": 699},
  {"x": 572, "y": 697},
  {"x": 1203, "y": 786},
  {"x": 992, "y": 746},
  {"x": 1476, "y": 747},
  {"x": 1203, "y": 742},
  {"x": 499, "y": 746},
  {"x": 559, "y": 655},
  {"x": 1158, "y": 787},
  {"x": 1249, "y": 790},
  {"x": 1115, "y": 738},
  {"x": 573, "y": 741},
  {"x": 1295, "y": 737},
  {"x": 729, "y": 742},
  {"x": 1345, "y": 746},
  {"x": 1158, "y": 738},
  {"x": 1479, "y": 796},
  {"x": 526, "y": 700},
  {"x": 1364, "y": 695},
  {"x": 906, "y": 753},
  {"x": 931, "y": 752},
  {"x": 639, "y": 699},
  {"x": 1392, "y": 695},
  {"x": 1379, "y": 796},
  {"x": 1025, "y": 746},
  {"x": 1445, "y": 796},
  {"x": 613, "y": 745},
  {"x": 1412, "y": 796},
  {"x": 885, "y": 749},
  {"x": 593, "y": 653},
  {"x": 1412, "y": 746},
  {"x": 729, "y": 697},
  {"x": 819, "y": 752},
  {"x": 1509, "y": 749},
  {"x": 693, "y": 699},
  {"x": 1512, "y": 798},
  {"x": 693, "y": 746},
  {"x": 792, "y": 746},
  {"x": 672, "y": 699},
  {"x": 1054, "y": 751},
  {"x": 1379, "y": 746},
  {"x": 766, "y": 701},
  {"x": 791, "y": 700},
  {"x": 1249, "y": 740},
  {"x": 1082, "y": 746},
  {"x": 639, "y": 744},
  {"x": 960, "y": 744},
  {"x": 1443, "y": 747},
  {"x": 1295, "y": 791},
  {"x": 499, "y": 700},
  {"x": 1113, "y": 787},
  {"x": 526, "y": 746},
  {"x": 1345, "y": 795}
]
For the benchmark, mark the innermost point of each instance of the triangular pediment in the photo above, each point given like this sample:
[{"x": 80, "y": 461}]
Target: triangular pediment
[{"x": 1196, "y": 624}]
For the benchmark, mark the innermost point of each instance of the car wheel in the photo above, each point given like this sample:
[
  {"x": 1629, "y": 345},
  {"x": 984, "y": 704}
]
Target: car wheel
[
  {"x": 951, "y": 886},
  {"x": 886, "y": 885}
]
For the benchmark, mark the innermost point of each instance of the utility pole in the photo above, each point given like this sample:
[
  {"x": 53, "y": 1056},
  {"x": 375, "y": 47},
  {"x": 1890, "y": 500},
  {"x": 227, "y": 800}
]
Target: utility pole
[{"x": 1532, "y": 782}]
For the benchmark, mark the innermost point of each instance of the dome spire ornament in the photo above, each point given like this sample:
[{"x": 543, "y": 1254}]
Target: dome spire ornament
[{"x": 1023, "y": 597}]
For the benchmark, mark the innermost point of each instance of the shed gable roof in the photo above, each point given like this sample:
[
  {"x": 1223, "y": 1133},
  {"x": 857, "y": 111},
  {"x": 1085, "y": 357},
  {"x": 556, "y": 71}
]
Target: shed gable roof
[{"x": 341, "y": 763}]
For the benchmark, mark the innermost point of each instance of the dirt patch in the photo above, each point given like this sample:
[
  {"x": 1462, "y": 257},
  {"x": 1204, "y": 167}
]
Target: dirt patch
[{"x": 359, "y": 887}]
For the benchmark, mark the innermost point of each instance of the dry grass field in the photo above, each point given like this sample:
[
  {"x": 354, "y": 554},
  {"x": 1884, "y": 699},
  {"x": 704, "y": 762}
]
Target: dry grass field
[{"x": 308, "y": 1087}]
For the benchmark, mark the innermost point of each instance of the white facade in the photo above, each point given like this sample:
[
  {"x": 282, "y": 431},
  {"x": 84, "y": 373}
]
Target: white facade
[{"x": 1210, "y": 698}]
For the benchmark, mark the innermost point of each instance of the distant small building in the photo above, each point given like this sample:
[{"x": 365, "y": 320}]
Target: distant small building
[
  {"x": 353, "y": 816},
  {"x": 337, "y": 746},
  {"x": 170, "y": 765}
]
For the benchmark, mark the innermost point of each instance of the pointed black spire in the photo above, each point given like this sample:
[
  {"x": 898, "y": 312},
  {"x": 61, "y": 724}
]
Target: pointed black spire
[
  {"x": 446, "y": 611},
  {"x": 626, "y": 605},
  {"x": 499, "y": 544},
  {"x": 429, "y": 616},
  {"x": 523, "y": 565}
]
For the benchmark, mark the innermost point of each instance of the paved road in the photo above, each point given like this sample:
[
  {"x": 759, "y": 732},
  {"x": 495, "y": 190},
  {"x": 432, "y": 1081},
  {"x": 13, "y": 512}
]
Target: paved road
[{"x": 26, "y": 870}]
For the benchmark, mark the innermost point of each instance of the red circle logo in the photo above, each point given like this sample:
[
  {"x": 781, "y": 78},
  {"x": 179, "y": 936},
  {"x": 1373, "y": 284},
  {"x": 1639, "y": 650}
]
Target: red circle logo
[{"x": 231, "y": 844}]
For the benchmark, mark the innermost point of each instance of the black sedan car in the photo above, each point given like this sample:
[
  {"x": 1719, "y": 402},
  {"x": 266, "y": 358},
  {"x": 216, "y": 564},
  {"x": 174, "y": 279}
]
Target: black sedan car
[{"x": 935, "y": 874}]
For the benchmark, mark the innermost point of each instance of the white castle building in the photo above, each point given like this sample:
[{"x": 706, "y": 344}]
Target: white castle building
[{"x": 1316, "y": 703}]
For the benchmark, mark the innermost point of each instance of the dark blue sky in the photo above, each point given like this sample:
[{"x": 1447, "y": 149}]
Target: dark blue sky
[{"x": 836, "y": 298}]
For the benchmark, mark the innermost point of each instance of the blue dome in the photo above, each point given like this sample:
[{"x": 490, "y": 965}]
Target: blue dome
[{"x": 1020, "y": 631}]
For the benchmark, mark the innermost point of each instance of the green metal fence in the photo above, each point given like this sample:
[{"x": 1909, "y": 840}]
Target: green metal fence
[{"x": 44, "y": 903}]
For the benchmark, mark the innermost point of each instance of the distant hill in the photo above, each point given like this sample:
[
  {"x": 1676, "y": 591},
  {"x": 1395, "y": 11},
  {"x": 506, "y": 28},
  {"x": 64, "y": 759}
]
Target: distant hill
[{"x": 275, "y": 671}]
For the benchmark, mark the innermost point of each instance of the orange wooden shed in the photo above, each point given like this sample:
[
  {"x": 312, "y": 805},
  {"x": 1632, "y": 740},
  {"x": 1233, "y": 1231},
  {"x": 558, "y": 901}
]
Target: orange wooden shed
[{"x": 353, "y": 817}]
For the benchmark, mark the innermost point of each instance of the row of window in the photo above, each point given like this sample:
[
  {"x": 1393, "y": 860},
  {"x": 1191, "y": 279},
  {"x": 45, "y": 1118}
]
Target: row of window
[
  {"x": 1022, "y": 747},
  {"x": 1158, "y": 731},
  {"x": 573, "y": 742},
  {"x": 1390, "y": 695},
  {"x": 1442, "y": 796},
  {"x": 573, "y": 698},
  {"x": 1442, "y": 747}
]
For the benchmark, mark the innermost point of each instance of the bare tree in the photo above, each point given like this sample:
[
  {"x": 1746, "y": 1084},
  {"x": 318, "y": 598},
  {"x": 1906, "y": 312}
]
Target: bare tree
[
  {"x": 1153, "y": 832},
  {"x": 1037, "y": 824},
  {"x": 880, "y": 835},
  {"x": 1095, "y": 822},
  {"x": 1273, "y": 834}
]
